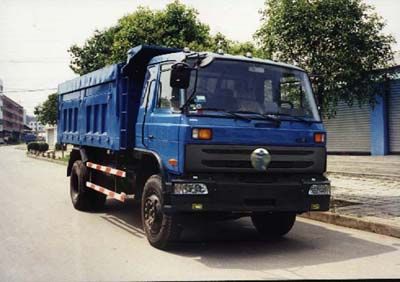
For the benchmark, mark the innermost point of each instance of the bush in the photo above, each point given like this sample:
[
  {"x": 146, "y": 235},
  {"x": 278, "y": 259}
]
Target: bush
[
  {"x": 33, "y": 146},
  {"x": 12, "y": 140},
  {"x": 43, "y": 147},
  {"x": 38, "y": 146},
  {"x": 60, "y": 147}
]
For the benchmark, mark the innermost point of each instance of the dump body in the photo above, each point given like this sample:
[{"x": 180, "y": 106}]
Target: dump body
[
  {"x": 99, "y": 109},
  {"x": 91, "y": 110}
]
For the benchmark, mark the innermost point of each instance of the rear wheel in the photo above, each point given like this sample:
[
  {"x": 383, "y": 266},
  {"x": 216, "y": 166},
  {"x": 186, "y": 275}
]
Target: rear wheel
[
  {"x": 83, "y": 198},
  {"x": 273, "y": 224},
  {"x": 161, "y": 229}
]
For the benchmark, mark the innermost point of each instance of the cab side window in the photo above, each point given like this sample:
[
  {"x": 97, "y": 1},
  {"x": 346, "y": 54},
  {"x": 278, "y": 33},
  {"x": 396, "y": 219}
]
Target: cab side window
[
  {"x": 150, "y": 79},
  {"x": 168, "y": 97}
]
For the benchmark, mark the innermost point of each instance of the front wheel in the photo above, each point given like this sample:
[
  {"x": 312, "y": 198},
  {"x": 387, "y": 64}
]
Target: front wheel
[
  {"x": 160, "y": 229},
  {"x": 273, "y": 224}
]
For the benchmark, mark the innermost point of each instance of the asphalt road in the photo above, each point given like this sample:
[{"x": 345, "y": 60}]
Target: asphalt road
[{"x": 43, "y": 238}]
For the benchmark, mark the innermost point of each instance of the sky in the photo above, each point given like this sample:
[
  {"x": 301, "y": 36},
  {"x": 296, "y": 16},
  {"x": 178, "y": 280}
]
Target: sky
[{"x": 36, "y": 34}]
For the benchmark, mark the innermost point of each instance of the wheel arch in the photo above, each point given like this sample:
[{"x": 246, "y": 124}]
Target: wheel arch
[
  {"x": 151, "y": 163},
  {"x": 76, "y": 154}
]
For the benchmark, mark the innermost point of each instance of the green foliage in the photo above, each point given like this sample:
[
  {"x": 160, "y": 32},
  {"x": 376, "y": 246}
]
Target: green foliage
[
  {"x": 43, "y": 147},
  {"x": 341, "y": 41},
  {"x": 233, "y": 47},
  {"x": 175, "y": 26},
  {"x": 32, "y": 146},
  {"x": 59, "y": 147},
  {"x": 38, "y": 146},
  {"x": 95, "y": 53},
  {"x": 47, "y": 112}
]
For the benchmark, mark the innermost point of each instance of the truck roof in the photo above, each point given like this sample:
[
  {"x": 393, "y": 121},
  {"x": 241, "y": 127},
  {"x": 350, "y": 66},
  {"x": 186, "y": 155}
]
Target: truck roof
[
  {"x": 139, "y": 57},
  {"x": 181, "y": 55},
  {"x": 100, "y": 76}
]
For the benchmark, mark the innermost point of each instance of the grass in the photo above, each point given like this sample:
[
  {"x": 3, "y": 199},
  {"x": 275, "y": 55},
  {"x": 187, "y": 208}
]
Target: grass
[{"x": 65, "y": 158}]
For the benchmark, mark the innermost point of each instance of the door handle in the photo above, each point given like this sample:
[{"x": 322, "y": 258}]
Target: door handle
[{"x": 151, "y": 137}]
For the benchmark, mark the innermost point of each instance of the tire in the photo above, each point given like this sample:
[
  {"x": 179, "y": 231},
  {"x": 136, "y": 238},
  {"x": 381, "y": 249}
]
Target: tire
[
  {"x": 82, "y": 198},
  {"x": 160, "y": 229},
  {"x": 273, "y": 225}
]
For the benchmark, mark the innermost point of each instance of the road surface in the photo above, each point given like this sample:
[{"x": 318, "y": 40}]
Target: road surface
[{"x": 44, "y": 239}]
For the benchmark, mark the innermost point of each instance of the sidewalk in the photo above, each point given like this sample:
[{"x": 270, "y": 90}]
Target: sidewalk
[
  {"x": 365, "y": 193},
  {"x": 365, "y": 165}
]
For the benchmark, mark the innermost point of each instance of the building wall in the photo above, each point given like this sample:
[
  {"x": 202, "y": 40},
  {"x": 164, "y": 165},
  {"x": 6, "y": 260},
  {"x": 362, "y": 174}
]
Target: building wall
[
  {"x": 1, "y": 110},
  {"x": 12, "y": 117},
  {"x": 1, "y": 117},
  {"x": 347, "y": 132},
  {"x": 51, "y": 135},
  {"x": 36, "y": 126},
  {"x": 350, "y": 130}
]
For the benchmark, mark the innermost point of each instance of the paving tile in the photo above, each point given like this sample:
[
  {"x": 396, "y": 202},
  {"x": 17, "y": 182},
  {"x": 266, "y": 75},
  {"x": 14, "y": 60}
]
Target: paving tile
[{"x": 379, "y": 198}]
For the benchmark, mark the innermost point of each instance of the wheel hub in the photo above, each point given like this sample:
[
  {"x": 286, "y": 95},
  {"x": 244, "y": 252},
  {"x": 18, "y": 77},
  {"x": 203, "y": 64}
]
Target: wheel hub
[{"x": 152, "y": 213}]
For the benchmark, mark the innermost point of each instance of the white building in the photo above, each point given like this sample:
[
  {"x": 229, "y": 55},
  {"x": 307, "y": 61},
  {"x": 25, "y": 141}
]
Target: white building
[
  {"x": 51, "y": 135},
  {"x": 25, "y": 117},
  {"x": 35, "y": 125}
]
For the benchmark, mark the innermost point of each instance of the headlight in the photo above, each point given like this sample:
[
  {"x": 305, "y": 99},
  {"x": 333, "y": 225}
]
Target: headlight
[
  {"x": 320, "y": 189},
  {"x": 190, "y": 189}
]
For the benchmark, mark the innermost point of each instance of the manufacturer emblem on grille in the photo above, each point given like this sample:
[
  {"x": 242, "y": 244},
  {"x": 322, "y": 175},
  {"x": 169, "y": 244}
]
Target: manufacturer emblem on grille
[{"x": 260, "y": 159}]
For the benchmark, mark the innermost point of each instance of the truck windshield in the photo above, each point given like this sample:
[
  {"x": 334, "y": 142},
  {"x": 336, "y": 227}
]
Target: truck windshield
[{"x": 253, "y": 88}]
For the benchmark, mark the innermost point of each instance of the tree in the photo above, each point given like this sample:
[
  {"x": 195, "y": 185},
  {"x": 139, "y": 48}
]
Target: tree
[
  {"x": 175, "y": 26},
  {"x": 340, "y": 41},
  {"x": 47, "y": 112},
  {"x": 95, "y": 53},
  {"x": 220, "y": 41}
]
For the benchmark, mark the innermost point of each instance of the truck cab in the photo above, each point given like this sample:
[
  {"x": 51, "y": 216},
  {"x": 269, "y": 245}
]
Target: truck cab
[{"x": 220, "y": 136}]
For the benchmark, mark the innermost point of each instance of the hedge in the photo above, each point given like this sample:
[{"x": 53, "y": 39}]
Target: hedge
[
  {"x": 60, "y": 147},
  {"x": 38, "y": 146}
]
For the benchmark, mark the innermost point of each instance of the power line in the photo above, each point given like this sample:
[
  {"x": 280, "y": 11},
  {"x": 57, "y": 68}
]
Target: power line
[
  {"x": 33, "y": 62},
  {"x": 11, "y": 89},
  {"x": 28, "y": 90}
]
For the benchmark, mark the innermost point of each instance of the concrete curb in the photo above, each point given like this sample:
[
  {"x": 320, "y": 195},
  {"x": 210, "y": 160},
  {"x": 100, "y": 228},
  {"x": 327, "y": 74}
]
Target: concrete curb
[
  {"x": 46, "y": 159},
  {"x": 354, "y": 222}
]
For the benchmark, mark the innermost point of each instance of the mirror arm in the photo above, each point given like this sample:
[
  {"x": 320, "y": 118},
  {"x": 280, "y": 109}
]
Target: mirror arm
[{"x": 184, "y": 106}]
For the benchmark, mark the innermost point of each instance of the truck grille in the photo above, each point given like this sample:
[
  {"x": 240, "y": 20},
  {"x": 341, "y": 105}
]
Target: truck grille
[
  {"x": 236, "y": 158},
  {"x": 247, "y": 164},
  {"x": 248, "y": 152}
]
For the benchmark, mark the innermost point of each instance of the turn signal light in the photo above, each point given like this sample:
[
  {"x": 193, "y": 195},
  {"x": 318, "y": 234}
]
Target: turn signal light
[
  {"x": 319, "y": 137},
  {"x": 202, "y": 133}
]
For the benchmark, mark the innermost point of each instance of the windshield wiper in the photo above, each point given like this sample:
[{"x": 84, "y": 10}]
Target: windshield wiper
[
  {"x": 233, "y": 114},
  {"x": 264, "y": 116},
  {"x": 297, "y": 118},
  {"x": 196, "y": 66}
]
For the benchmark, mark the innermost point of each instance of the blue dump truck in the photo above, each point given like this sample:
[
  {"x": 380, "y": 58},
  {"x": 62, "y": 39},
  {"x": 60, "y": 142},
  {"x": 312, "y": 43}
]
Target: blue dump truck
[{"x": 195, "y": 135}]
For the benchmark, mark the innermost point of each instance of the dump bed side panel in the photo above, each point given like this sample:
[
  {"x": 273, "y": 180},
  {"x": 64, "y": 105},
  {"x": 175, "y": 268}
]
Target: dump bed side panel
[{"x": 89, "y": 111}]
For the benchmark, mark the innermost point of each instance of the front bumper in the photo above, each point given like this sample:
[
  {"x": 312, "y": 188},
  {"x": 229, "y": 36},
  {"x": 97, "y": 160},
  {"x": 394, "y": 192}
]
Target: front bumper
[{"x": 235, "y": 193}]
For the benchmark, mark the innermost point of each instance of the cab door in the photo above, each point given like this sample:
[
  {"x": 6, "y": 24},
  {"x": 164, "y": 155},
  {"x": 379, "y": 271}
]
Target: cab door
[
  {"x": 146, "y": 104},
  {"x": 165, "y": 118}
]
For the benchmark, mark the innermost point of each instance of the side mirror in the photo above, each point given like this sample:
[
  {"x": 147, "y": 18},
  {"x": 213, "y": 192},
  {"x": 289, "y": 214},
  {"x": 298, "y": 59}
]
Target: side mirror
[{"x": 180, "y": 75}]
